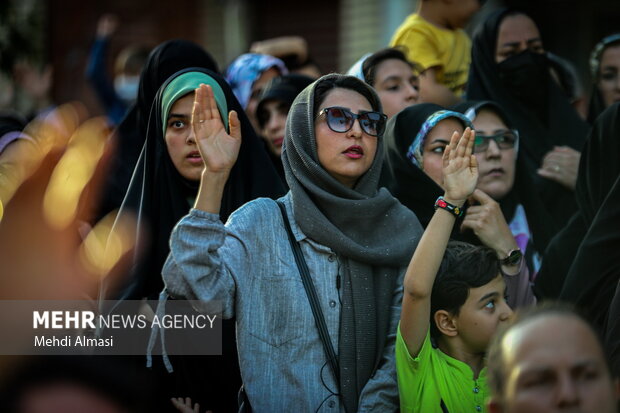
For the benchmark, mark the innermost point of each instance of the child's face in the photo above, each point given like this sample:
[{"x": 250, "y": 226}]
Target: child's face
[{"x": 483, "y": 311}]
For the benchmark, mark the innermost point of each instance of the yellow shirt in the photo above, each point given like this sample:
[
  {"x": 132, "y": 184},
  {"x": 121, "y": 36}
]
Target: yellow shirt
[{"x": 431, "y": 46}]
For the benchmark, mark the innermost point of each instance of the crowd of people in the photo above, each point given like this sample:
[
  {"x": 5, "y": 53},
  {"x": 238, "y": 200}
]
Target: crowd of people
[{"x": 433, "y": 231}]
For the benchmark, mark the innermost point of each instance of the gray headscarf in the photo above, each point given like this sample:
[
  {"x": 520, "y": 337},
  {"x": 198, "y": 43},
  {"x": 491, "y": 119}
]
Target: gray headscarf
[{"x": 373, "y": 234}]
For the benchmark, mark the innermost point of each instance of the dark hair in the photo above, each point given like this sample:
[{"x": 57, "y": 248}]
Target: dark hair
[
  {"x": 369, "y": 67},
  {"x": 325, "y": 84},
  {"x": 463, "y": 267},
  {"x": 495, "y": 356},
  {"x": 282, "y": 88}
]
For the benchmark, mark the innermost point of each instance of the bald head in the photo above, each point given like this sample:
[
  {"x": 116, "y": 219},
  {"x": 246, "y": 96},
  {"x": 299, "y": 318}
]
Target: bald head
[{"x": 547, "y": 362}]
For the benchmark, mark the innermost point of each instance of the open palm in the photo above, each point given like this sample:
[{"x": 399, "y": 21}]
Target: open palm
[
  {"x": 460, "y": 168},
  {"x": 219, "y": 149}
]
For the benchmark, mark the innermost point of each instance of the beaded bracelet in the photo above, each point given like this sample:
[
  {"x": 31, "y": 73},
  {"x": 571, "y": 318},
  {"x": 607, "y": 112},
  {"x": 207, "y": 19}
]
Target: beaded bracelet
[{"x": 453, "y": 209}]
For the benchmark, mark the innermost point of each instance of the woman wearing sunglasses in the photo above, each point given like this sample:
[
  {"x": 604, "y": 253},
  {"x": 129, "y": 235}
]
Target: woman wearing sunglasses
[
  {"x": 415, "y": 140},
  {"x": 355, "y": 238}
]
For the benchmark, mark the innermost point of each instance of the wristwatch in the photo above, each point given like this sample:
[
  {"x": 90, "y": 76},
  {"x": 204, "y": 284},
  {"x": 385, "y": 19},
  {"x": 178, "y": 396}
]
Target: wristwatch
[{"x": 514, "y": 257}]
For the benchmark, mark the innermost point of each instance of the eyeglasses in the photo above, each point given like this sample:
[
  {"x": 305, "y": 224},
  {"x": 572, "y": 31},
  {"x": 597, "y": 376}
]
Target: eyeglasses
[
  {"x": 341, "y": 120},
  {"x": 504, "y": 140}
]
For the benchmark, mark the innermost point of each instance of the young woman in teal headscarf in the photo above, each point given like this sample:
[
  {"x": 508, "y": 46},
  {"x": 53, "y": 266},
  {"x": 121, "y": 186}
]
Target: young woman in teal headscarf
[{"x": 162, "y": 190}]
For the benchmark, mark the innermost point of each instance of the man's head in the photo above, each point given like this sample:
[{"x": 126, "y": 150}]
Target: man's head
[
  {"x": 549, "y": 359},
  {"x": 467, "y": 301}
]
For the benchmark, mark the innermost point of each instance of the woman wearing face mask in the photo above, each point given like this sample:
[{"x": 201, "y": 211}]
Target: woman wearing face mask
[
  {"x": 605, "y": 70},
  {"x": 357, "y": 240},
  {"x": 393, "y": 77},
  {"x": 510, "y": 67},
  {"x": 415, "y": 140}
]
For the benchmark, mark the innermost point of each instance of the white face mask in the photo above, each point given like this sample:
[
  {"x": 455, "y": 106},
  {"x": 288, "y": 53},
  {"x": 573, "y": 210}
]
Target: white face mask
[{"x": 126, "y": 87}]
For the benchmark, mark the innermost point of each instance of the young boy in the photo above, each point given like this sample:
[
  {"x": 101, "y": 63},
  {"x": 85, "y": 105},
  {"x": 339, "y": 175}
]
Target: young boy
[
  {"x": 435, "y": 39},
  {"x": 462, "y": 296}
]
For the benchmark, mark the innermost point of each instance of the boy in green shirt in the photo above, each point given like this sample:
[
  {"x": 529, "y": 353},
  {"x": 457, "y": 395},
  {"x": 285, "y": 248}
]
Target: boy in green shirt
[{"x": 463, "y": 297}]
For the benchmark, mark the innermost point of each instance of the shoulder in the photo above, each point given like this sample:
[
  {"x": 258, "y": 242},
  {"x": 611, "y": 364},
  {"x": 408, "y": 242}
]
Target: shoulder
[{"x": 256, "y": 219}]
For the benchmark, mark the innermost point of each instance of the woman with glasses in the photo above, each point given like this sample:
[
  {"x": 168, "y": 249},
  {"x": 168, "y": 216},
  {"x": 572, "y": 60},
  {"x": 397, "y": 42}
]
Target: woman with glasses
[
  {"x": 415, "y": 140},
  {"x": 504, "y": 178},
  {"x": 355, "y": 238}
]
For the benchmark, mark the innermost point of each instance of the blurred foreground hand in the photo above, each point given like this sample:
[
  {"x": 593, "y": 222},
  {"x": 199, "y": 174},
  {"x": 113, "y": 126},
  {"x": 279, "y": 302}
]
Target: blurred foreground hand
[{"x": 47, "y": 249}]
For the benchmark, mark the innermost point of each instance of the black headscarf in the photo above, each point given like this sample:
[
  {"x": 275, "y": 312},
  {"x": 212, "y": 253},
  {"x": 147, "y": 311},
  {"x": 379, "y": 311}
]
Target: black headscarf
[
  {"x": 598, "y": 170},
  {"x": 372, "y": 233},
  {"x": 595, "y": 270},
  {"x": 597, "y": 104},
  {"x": 523, "y": 193},
  {"x": 543, "y": 115},
  {"x": 283, "y": 89},
  {"x": 163, "y": 61},
  {"x": 160, "y": 196}
]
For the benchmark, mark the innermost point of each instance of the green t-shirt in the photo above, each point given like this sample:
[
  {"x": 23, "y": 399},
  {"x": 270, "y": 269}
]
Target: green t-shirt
[{"x": 432, "y": 377}]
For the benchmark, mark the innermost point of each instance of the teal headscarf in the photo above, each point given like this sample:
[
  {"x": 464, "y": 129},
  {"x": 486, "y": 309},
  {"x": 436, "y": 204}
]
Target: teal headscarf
[{"x": 187, "y": 83}]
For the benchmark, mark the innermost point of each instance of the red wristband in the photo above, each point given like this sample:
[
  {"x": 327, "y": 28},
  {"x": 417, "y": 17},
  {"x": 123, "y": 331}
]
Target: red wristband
[{"x": 453, "y": 209}]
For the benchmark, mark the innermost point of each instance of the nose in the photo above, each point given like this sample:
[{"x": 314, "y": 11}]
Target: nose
[
  {"x": 567, "y": 393},
  {"x": 493, "y": 150},
  {"x": 412, "y": 93},
  {"x": 356, "y": 130},
  {"x": 190, "y": 139},
  {"x": 506, "y": 312}
]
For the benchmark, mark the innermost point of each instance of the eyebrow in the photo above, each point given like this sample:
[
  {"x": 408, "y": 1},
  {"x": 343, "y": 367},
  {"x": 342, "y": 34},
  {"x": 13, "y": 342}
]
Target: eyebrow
[
  {"x": 440, "y": 140},
  {"x": 177, "y": 115},
  {"x": 529, "y": 42},
  {"x": 489, "y": 295},
  {"x": 494, "y": 132}
]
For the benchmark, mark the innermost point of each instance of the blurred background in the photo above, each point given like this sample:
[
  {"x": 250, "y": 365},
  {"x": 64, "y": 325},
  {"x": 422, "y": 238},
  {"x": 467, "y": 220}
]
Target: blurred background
[{"x": 61, "y": 33}]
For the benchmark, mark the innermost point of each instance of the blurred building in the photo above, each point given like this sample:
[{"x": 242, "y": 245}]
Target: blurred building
[{"x": 338, "y": 31}]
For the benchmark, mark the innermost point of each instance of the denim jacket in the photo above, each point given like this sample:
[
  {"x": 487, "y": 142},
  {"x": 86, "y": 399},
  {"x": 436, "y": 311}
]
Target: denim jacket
[{"x": 249, "y": 266}]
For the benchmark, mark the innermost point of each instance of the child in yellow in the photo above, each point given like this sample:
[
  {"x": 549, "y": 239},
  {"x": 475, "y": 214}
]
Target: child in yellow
[
  {"x": 456, "y": 298},
  {"x": 434, "y": 38}
]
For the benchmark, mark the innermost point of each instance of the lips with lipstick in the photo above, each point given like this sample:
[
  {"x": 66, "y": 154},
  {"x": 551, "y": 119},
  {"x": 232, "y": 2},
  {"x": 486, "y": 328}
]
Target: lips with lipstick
[
  {"x": 194, "y": 157},
  {"x": 354, "y": 152},
  {"x": 277, "y": 142}
]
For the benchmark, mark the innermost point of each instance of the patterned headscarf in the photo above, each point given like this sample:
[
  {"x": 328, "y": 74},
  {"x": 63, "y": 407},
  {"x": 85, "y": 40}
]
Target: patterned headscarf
[
  {"x": 414, "y": 153},
  {"x": 244, "y": 70}
]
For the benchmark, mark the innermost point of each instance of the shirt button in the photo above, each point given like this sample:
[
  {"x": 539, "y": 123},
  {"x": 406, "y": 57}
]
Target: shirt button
[
  {"x": 478, "y": 408},
  {"x": 331, "y": 258},
  {"x": 476, "y": 389},
  {"x": 331, "y": 404},
  {"x": 332, "y": 304}
]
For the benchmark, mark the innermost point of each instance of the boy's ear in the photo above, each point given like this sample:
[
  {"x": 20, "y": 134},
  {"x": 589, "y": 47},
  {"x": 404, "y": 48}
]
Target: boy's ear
[{"x": 445, "y": 323}]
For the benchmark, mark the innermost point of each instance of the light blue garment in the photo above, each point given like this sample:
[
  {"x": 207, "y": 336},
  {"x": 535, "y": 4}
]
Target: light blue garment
[
  {"x": 246, "y": 69},
  {"x": 249, "y": 265}
]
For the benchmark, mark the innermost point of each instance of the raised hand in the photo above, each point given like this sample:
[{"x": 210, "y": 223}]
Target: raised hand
[
  {"x": 460, "y": 167},
  {"x": 219, "y": 149}
]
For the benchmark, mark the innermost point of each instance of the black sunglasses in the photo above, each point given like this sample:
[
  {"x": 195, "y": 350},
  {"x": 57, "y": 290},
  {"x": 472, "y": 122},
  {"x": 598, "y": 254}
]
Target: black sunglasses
[
  {"x": 341, "y": 120},
  {"x": 504, "y": 140}
]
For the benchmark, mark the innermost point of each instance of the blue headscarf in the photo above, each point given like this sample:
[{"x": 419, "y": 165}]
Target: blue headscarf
[{"x": 244, "y": 70}]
